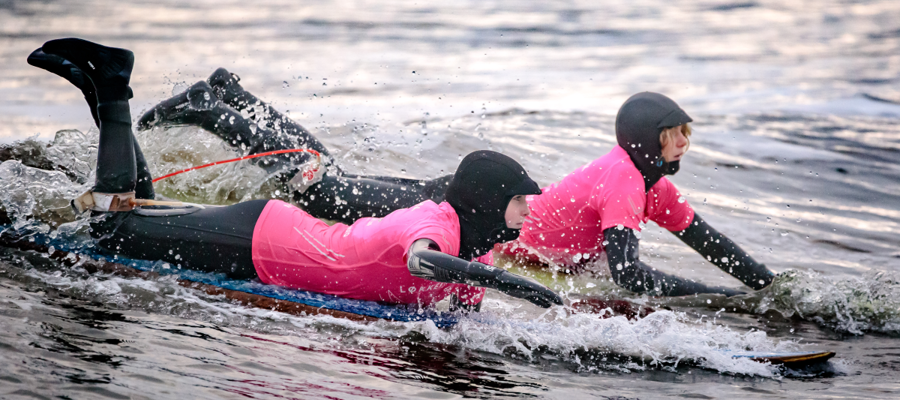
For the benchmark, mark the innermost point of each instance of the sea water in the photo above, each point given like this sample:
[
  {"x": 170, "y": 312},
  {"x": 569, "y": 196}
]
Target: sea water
[{"x": 793, "y": 157}]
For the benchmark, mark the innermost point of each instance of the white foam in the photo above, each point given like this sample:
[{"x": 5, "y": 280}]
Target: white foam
[{"x": 851, "y": 304}]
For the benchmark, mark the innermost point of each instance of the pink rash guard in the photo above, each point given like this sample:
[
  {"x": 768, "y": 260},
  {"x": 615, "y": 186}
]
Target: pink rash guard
[
  {"x": 567, "y": 221},
  {"x": 364, "y": 261}
]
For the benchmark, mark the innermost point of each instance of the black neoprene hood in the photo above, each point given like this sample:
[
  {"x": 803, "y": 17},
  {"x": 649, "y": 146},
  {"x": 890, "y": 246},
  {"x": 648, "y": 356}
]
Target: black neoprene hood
[
  {"x": 479, "y": 192},
  {"x": 638, "y": 125}
]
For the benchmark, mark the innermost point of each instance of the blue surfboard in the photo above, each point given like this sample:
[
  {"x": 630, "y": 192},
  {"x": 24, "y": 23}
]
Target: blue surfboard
[{"x": 257, "y": 293}]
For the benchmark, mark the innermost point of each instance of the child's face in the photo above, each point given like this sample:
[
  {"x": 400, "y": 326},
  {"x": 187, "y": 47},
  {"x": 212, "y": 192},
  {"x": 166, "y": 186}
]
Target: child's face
[
  {"x": 675, "y": 147},
  {"x": 516, "y": 212}
]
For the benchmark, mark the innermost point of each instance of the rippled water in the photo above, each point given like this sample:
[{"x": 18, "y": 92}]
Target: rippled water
[{"x": 793, "y": 156}]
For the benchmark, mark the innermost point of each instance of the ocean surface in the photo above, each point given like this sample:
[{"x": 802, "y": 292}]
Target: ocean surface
[{"x": 794, "y": 156}]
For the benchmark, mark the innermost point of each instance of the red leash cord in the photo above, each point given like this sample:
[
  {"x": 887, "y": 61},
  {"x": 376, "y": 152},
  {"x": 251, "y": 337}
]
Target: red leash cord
[{"x": 269, "y": 153}]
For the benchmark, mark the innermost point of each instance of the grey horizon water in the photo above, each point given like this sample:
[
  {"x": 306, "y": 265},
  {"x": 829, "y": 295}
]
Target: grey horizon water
[{"x": 792, "y": 157}]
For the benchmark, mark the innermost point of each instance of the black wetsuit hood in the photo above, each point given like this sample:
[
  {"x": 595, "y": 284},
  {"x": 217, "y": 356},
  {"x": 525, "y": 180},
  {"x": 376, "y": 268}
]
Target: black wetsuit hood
[
  {"x": 479, "y": 192},
  {"x": 638, "y": 125}
]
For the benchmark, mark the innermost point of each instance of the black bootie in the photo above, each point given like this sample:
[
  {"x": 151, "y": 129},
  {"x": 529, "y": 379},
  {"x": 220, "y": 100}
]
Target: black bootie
[
  {"x": 108, "y": 68},
  {"x": 63, "y": 68},
  {"x": 226, "y": 87},
  {"x": 199, "y": 106}
]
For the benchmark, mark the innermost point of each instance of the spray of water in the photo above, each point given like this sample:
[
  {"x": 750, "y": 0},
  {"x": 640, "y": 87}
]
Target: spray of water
[{"x": 854, "y": 304}]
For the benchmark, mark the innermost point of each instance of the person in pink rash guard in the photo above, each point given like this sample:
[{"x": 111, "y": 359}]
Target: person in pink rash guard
[
  {"x": 567, "y": 222},
  {"x": 599, "y": 208},
  {"x": 418, "y": 255},
  {"x": 602, "y": 206},
  {"x": 365, "y": 261}
]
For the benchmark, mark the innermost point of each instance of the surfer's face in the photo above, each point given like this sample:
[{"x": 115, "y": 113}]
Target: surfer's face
[
  {"x": 674, "y": 143},
  {"x": 516, "y": 212}
]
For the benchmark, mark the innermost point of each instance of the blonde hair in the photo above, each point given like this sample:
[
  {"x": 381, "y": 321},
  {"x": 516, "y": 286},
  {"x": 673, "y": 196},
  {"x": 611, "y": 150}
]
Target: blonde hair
[{"x": 666, "y": 135}]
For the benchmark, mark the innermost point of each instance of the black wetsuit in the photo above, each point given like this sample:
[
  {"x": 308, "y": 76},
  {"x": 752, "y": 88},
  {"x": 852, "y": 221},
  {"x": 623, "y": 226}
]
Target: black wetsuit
[
  {"x": 219, "y": 106},
  {"x": 220, "y": 239}
]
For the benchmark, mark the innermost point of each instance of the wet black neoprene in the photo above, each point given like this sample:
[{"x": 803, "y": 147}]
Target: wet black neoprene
[
  {"x": 65, "y": 69},
  {"x": 227, "y": 88},
  {"x": 639, "y": 123},
  {"x": 219, "y": 106},
  {"x": 725, "y": 254},
  {"x": 367, "y": 196},
  {"x": 440, "y": 267},
  {"x": 216, "y": 239},
  {"x": 219, "y": 239},
  {"x": 480, "y": 191},
  {"x": 629, "y": 272}
]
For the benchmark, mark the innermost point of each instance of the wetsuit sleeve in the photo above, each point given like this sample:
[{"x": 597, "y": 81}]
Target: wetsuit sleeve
[
  {"x": 629, "y": 272},
  {"x": 470, "y": 297},
  {"x": 725, "y": 254},
  {"x": 425, "y": 263}
]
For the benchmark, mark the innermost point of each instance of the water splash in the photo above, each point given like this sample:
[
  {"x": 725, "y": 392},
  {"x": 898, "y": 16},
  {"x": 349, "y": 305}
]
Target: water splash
[
  {"x": 172, "y": 149},
  {"x": 854, "y": 304},
  {"x": 75, "y": 152},
  {"x": 663, "y": 339},
  {"x": 28, "y": 193}
]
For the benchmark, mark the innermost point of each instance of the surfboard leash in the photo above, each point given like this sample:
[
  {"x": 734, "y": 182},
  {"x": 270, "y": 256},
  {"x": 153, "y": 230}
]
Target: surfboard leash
[{"x": 268, "y": 153}]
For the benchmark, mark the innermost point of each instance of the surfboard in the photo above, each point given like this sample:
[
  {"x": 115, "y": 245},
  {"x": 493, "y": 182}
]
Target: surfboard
[
  {"x": 790, "y": 360},
  {"x": 249, "y": 293},
  {"x": 296, "y": 302},
  {"x": 301, "y": 303}
]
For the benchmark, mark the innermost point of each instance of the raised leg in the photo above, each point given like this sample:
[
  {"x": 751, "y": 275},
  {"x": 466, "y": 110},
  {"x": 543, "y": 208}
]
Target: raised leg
[
  {"x": 337, "y": 196},
  {"x": 65, "y": 69},
  {"x": 226, "y": 87},
  {"x": 199, "y": 106},
  {"x": 109, "y": 70}
]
